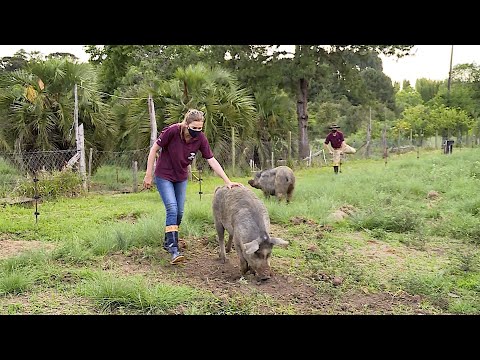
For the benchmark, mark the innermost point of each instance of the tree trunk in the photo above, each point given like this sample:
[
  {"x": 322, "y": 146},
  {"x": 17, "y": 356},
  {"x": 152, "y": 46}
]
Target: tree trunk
[
  {"x": 185, "y": 91},
  {"x": 302, "y": 115}
]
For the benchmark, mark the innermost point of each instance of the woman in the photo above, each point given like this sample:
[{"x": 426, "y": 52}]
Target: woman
[{"x": 179, "y": 144}]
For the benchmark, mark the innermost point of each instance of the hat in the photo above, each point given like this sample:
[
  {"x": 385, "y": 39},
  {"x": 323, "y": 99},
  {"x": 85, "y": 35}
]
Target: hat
[{"x": 334, "y": 126}]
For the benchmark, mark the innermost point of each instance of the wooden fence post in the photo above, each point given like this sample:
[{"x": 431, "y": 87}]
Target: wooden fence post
[
  {"x": 135, "y": 172},
  {"x": 82, "y": 167},
  {"x": 153, "y": 121},
  {"x": 233, "y": 151}
]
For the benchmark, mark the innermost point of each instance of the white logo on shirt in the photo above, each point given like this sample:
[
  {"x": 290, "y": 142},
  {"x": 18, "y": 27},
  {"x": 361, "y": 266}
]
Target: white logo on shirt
[{"x": 191, "y": 157}]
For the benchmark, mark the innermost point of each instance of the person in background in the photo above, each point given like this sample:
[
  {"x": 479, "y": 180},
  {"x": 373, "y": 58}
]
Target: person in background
[
  {"x": 178, "y": 144},
  {"x": 337, "y": 146}
]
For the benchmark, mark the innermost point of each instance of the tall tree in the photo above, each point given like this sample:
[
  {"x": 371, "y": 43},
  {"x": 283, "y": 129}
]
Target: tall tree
[
  {"x": 296, "y": 70},
  {"x": 36, "y": 104},
  {"x": 427, "y": 88}
]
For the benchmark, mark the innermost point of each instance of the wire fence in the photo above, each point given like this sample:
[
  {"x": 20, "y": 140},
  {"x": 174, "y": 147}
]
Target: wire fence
[
  {"x": 58, "y": 172},
  {"x": 123, "y": 171}
]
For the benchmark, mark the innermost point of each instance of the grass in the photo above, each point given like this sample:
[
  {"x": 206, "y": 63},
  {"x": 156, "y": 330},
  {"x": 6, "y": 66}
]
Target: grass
[
  {"x": 135, "y": 295},
  {"x": 398, "y": 240}
]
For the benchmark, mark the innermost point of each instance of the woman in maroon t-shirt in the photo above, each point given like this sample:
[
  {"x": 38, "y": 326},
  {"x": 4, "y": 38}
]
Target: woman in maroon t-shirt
[{"x": 179, "y": 144}]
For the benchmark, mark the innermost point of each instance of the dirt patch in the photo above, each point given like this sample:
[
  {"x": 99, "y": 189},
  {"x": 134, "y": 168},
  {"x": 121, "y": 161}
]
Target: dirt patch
[
  {"x": 129, "y": 218},
  {"x": 203, "y": 270},
  {"x": 286, "y": 293},
  {"x": 9, "y": 248}
]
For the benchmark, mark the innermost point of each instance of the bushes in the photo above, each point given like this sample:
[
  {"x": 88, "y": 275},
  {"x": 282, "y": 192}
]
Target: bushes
[{"x": 51, "y": 185}]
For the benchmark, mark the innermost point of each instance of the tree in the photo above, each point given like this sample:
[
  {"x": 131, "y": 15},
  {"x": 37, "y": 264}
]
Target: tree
[
  {"x": 427, "y": 89},
  {"x": 10, "y": 63},
  {"x": 215, "y": 91},
  {"x": 407, "y": 97},
  {"x": 418, "y": 120},
  {"x": 36, "y": 104},
  {"x": 114, "y": 61},
  {"x": 306, "y": 66}
]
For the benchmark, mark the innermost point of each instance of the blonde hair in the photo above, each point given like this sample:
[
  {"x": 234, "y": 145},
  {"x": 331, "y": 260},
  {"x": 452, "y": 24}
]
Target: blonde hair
[{"x": 193, "y": 115}]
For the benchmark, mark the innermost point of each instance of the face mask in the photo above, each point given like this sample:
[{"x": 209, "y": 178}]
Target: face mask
[{"x": 193, "y": 133}]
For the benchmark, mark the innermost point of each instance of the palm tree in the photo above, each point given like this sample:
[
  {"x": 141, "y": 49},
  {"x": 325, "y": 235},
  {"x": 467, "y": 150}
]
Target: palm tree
[
  {"x": 37, "y": 104},
  {"x": 215, "y": 91}
]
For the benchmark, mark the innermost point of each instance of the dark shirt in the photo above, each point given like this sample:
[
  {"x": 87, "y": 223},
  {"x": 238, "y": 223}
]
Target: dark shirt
[
  {"x": 176, "y": 154},
  {"x": 335, "y": 139}
]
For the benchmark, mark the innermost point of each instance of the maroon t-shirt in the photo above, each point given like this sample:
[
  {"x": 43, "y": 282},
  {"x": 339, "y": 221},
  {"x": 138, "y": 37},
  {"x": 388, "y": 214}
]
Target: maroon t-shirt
[
  {"x": 176, "y": 154},
  {"x": 335, "y": 140}
]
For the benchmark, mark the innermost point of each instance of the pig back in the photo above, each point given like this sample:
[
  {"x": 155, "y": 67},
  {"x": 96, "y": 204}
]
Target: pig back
[
  {"x": 284, "y": 176},
  {"x": 238, "y": 205}
]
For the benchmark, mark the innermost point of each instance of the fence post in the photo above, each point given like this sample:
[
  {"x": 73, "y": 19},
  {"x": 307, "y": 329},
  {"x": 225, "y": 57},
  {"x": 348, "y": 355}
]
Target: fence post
[
  {"x": 90, "y": 156},
  {"x": 369, "y": 135},
  {"x": 289, "y": 146},
  {"x": 153, "y": 121},
  {"x": 384, "y": 141},
  {"x": 233, "y": 150},
  {"x": 153, "y": 124},
  {"x": 75, "y": 116},
  {"x": 272, "y": 161},
  {"x": 135, "y": 172},
  {"x": 83, "y": 170},
  {"x": 80, "y": 140}
]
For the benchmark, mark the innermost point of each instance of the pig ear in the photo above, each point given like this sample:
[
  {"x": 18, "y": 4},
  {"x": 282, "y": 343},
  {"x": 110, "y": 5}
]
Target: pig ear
[
  {"x": 251, "y": 247},
  {"x": 278, "y": 241}
]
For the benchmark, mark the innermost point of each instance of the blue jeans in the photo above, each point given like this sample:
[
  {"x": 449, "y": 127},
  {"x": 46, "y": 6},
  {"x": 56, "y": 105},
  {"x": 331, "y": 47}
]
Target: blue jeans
[{"x": 173, "y": 196}]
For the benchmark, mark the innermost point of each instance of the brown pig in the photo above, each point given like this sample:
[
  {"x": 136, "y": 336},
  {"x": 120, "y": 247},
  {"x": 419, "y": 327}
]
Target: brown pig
[
  {"x": 245, "y": 217},
  {"x": 279, "y": 181}
]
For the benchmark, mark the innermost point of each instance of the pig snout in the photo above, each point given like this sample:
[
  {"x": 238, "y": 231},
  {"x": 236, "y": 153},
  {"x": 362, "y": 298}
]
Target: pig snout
[
  {"x": 264, "y": 275},
  {"x": 254, "y": 184}
]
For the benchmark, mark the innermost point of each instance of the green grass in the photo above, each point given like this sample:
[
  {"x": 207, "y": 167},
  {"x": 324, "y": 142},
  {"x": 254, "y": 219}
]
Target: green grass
[
  {"x": 133, "y": 294},
  {"x": 397, "y": 240}
]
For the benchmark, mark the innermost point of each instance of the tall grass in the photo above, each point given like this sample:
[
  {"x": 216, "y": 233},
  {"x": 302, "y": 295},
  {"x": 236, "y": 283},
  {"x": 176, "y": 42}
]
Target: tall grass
[{"x": 398, "y": 237}]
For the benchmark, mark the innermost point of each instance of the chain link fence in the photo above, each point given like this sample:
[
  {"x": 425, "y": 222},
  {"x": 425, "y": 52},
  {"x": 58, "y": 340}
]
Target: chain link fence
[
  {"x": 123, "y": 171},
  {"x": 58, "y": 172}
]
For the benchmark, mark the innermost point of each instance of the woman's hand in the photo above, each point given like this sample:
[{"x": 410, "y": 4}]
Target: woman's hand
[
  {"x": 231, "y": 184},
  {"x": 147, "y": 181}
]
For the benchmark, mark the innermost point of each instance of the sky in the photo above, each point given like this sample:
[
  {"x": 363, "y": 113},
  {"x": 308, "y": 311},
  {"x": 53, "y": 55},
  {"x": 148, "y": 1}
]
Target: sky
[{"x": 428, "y": 61}]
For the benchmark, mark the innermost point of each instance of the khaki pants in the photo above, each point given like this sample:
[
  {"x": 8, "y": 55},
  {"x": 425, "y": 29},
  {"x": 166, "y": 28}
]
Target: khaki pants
[{"x": 337, "y": 153}]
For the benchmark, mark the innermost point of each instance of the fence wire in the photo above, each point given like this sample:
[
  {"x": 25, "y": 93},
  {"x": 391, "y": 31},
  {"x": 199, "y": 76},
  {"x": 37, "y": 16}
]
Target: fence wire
[{"x": 124, "y": 170}]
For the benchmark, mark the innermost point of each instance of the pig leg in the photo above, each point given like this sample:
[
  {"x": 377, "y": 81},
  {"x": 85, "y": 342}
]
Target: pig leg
[
  {"x": 229, "y": 243},
  {"x": 289, "y": 196},
  {"x": 280, "y": 196},
  {"x": 289, "y": 193},
  {"x": 243, "y": 263},
  {"x": 221, "y": 232}
]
